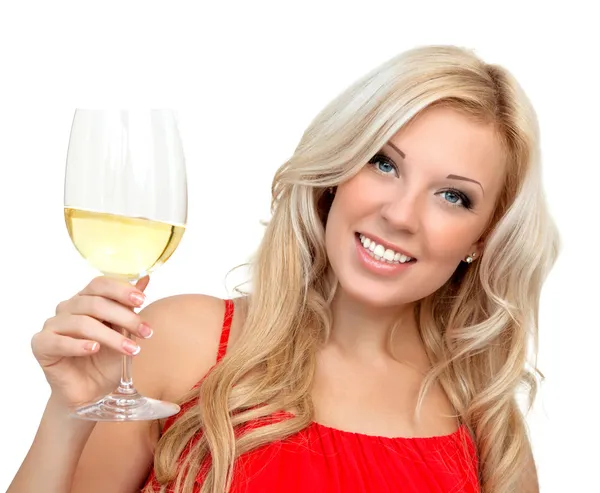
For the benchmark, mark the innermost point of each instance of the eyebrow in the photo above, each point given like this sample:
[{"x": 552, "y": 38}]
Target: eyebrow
[
  {"x": 449, "y": 177},
  {"x": 464, "y": 178},
  {"x": 397, "y": 150}
]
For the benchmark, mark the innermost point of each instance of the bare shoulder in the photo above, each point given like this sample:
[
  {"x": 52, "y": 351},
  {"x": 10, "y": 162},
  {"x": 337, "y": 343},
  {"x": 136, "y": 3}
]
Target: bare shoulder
[
  {"x": 184, "y": 346},
  {"x": 187, "y": 331}
]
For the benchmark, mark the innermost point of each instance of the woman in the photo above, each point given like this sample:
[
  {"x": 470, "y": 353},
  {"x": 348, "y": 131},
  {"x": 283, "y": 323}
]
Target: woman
[{"x": 394, "y": 296}]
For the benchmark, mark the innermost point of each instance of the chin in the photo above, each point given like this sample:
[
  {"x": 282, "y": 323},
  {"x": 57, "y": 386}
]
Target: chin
[{"x": 372, "y": 295}]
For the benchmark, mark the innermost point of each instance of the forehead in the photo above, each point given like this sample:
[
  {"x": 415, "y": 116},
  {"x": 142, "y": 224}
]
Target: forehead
[{"x": 444, "y": 141}]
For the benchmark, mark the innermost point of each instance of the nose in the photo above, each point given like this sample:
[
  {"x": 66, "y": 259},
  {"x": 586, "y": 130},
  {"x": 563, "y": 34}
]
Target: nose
[{"x": 402, "y": 211}]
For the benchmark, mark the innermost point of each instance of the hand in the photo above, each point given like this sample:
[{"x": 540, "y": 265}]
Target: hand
[{"x": 80, "y": 349}]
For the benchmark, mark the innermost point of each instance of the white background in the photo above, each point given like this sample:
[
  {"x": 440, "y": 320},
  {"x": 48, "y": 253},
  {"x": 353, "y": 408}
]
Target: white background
[{"x": 246, "y": 78}]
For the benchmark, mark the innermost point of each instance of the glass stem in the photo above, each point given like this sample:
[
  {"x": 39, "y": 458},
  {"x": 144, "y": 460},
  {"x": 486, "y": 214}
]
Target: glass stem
[{"x": 126, "y": 383}]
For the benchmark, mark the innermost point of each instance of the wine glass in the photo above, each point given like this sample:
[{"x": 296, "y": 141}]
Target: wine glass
[{"x": 125, "y": 210}]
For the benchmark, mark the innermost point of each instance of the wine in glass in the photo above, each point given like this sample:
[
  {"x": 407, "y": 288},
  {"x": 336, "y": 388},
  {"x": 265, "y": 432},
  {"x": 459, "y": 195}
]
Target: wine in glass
[{"x": 125, "y": 210}]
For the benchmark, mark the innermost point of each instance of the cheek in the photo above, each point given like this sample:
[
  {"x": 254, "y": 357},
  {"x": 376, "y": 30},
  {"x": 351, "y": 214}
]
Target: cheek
[
  {"x": 348, "y": 209},
  {"x": 333, "y": 227},
  {"x": 337, "y": 227},
  {"x": 353, "y": 201},
  {"x": 449, "y": 237},
  {"x": 360, "y": 195}
]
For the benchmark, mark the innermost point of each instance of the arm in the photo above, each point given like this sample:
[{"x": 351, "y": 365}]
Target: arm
[
  {"x": 53, "y": 456},
  {"x": 77, "y": 456}
]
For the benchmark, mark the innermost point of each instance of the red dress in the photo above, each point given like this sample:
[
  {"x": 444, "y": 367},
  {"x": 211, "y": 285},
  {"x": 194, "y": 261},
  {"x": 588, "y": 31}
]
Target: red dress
[{"x": 323, "y": 459}]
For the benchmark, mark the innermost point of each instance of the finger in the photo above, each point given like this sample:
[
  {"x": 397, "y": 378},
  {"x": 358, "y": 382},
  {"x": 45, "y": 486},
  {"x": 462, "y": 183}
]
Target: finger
[
  {"x": 48, "y": 345},
  {"x": 110, "y": 312},
  {"x": 116, "y": 290},
  {"x": 142, "y": 283},
  {"x": 90, "y": 329}
]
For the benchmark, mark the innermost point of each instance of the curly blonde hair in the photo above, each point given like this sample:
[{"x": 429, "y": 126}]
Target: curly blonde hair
[{"x": 477, "y": 328}]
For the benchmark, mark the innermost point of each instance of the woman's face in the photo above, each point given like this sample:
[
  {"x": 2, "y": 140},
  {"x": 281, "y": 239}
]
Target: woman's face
[{"x": 428, "y": 195}]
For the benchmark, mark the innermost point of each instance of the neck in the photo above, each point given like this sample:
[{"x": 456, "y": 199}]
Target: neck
[{"x": 363, "y": 330}]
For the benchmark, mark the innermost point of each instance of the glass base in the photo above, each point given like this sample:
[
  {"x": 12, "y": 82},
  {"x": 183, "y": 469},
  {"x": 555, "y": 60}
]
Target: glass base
[{"x": 125, "y": 407}]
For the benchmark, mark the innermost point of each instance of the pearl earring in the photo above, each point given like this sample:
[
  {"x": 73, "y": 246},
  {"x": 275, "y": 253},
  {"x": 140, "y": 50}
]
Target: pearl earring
[{"x": 470, "y": 258}]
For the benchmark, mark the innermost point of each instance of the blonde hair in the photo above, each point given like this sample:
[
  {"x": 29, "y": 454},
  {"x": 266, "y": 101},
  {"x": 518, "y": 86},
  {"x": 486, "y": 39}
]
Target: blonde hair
[{"x": 476, "y": 328}]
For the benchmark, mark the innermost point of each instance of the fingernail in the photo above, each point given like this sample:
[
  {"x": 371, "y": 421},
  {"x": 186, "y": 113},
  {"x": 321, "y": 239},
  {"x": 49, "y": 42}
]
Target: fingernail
[
  {"x": 137, "y": 298},
  {"x": 90, "y": 346},
  {"x": 131, "y": 347},
  {"x": 145, "y": 331}
]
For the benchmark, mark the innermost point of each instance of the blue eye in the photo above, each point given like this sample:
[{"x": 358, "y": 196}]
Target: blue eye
[
  {"x": 451, "y": 197},
  {"x": 385, "y": 167},
  {"x": 455, "y": 198},
  {"x": 383, "y": 164}
]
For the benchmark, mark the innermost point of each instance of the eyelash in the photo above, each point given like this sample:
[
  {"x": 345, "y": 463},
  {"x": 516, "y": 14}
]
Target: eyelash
[{"x": 466, "y": 202}]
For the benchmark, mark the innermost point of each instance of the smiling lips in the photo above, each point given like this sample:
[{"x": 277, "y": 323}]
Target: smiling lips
[
  {"x": 380, "y": 260},
  {"x": 381, "y": 252}
]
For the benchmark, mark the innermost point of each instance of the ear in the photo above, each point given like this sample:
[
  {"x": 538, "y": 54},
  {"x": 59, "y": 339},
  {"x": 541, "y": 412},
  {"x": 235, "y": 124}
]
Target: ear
[{"x": 476, "y": 248}]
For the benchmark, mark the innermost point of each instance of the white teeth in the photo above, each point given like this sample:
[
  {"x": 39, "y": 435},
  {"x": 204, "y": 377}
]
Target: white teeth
[
  {"x": 381, "y": 253},
  {"x": 388, "y": 255}
]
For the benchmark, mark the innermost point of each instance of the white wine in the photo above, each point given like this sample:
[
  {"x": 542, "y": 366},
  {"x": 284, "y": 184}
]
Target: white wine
[{"x": 120, "y": 246}]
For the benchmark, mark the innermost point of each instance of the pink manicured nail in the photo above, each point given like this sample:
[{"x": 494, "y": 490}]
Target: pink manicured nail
[
  {"x": 90, "y": 346},
  {"x": 137, "y": 298},
  {"x": 145, "y": 331},
  {"x": 131, "y": 347}
]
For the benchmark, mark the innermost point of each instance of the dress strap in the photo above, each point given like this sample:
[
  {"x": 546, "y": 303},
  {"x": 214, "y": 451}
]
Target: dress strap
[
  {"x": 221, "y": 353},
  {"x": 227, "y": 319}
]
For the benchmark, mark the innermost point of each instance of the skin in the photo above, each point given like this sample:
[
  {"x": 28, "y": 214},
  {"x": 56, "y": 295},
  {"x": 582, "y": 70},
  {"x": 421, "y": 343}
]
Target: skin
[
  {"x": 411, "y": 207},
  {"x": 406, "y": 201},
  {"x": 358, "y": 385}
]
